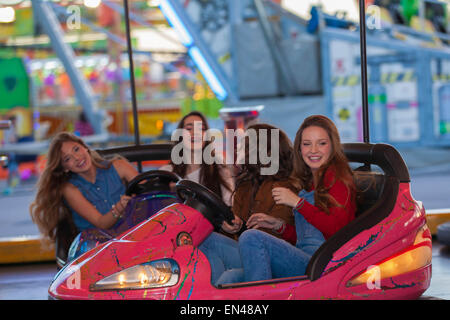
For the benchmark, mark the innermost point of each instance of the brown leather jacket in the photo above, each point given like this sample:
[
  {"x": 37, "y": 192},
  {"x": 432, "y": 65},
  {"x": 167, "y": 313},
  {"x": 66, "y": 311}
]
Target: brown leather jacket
[{"x": 244, "y": 206}]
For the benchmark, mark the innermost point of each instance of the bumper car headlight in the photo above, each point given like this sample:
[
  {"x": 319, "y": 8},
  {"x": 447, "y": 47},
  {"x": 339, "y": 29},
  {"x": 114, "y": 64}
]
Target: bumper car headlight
[{"x": 154, "y": 274}]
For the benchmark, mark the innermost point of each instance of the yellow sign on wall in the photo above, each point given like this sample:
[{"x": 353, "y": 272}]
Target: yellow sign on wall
[{"x": 152, "y": 123}]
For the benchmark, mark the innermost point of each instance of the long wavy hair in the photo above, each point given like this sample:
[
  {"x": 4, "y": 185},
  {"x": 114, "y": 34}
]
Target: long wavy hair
[
  {"x": 302, "y": 176},
  {"x": 210, "y": 175},
  {"x": 48, "y": 207},
  {"x": 252, "y": 172}
]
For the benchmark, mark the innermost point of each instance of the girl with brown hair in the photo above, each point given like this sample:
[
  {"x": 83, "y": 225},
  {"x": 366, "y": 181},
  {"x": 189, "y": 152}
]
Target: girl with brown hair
[
  {"x": 253, "y": 199},
  {"x": 253, "y": 194},
  {"x": 216, "y": 177},
  {"x": 320, "y": 167},
  {"x": 220, "y": 250}
]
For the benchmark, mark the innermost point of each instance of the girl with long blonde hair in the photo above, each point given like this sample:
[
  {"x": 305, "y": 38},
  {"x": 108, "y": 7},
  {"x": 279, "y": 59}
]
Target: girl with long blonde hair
[{"x": 77, "y": 181}]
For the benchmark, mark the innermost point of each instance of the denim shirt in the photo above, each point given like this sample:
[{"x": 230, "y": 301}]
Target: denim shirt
[
  {"x": 308, "y": 196},
  {"x": 309, "y": 238},
  {"x": 103, "y": 193}
]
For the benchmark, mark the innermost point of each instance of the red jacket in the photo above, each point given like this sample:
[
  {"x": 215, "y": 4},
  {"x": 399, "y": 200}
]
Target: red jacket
[{"x": 338, "y": 216}]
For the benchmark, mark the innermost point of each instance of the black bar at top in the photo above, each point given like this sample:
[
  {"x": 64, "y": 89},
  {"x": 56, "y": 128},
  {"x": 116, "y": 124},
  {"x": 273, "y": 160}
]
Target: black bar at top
[
  {"x": 365, "y": 104},
  {"x": 132, "y": 82}
]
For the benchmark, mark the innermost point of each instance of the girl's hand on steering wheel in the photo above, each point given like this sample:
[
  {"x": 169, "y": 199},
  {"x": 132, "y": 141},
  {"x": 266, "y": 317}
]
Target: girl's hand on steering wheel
[
  {"x": 122, "y": 203},
  {"x": 234, "y": 227}
]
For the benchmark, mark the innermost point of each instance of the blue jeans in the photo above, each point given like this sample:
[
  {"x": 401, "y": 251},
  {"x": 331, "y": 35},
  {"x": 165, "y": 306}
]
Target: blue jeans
[
  {"x": 261, "y": 256},
  {"x": 266, "y": 257},
  {"x": 223, "y": 254}
]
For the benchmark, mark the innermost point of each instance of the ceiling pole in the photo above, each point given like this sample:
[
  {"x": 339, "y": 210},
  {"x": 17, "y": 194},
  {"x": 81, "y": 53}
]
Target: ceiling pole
[
  {"x": 137, "y": 141},
  {"x": 365, "y": 104}
]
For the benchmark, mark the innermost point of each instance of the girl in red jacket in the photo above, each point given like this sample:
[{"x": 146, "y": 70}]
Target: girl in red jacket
[{"x": 324, "y": 205}]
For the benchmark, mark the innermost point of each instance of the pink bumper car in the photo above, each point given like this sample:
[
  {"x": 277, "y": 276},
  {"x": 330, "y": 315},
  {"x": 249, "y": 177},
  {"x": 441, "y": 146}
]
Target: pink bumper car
[{"x": 385, "y": 253}]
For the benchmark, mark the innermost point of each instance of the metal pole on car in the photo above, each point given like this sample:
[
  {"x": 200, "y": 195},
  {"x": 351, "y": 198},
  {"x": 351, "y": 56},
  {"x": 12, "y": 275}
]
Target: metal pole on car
[
  {"x": 365, "y": 104},
  {"x": 132, "y": 82}
]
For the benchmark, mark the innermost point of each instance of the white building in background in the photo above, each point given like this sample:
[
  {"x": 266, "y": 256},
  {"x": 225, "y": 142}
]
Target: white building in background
[{"x": 303, "y": 7}]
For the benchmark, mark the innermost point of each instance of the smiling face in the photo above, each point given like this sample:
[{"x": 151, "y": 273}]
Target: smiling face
[
  {"x": 315, "y": 147},
  {"x": 75, "y": 157},
  {"x": 193, "y": 137}
]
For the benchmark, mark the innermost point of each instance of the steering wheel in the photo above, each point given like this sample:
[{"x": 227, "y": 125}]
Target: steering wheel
[
  {"x": 210, "y": 205},
  {"x": 155, "y": 180}
]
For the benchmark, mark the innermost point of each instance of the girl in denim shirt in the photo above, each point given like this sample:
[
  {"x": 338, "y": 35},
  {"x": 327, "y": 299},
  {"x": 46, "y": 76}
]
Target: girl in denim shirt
[{"x": 77, "y": 181}]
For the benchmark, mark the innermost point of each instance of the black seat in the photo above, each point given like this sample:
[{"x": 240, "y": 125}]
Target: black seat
[
  {"x": 370, "y": 186},
  {"x": 378, "y": 195},
  {"x": 66, "y": 232}
]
